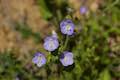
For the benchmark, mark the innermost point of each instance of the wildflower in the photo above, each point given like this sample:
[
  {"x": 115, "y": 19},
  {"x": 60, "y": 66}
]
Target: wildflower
[
  {"x": 67, "y": 27},
  {"x": 51, "y": 43},
  {"x": 39, "y": 59},
  {"x": 83, "y": 9},
  {"x": 66, "y": 58}
]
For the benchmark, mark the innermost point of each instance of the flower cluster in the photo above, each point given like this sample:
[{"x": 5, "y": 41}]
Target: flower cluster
[{"x": 51, "y": 43}]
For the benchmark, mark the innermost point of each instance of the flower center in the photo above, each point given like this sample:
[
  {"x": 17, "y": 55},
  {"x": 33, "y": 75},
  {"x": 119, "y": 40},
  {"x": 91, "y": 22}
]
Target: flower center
[
  {"x": 39, "y": 58},
  {"x": 68, "y": 27},
  {"x": 66, "y": 59},
  {"x": 51, "y": 44}
]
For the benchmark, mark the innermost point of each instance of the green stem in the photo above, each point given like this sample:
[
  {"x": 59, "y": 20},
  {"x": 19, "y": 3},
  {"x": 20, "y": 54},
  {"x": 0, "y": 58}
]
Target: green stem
[
  {"x": 59, "y": 15},
  {"x": 49, "y": 57},
  {"x": 63, "y": 47},
  {"x": 110, "y": 6},
  {"x": 66, "y": 42}
]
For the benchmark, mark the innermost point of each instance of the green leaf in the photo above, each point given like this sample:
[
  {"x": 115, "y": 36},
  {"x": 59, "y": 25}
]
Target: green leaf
[
  {"x": 105, "y": 75},
  {"x": 24, "y": 30}
]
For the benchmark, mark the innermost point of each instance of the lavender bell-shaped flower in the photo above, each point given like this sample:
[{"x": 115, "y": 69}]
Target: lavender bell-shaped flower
[
  {"x": 66, "y": 58},
  {"x": 67, "y": 27},
  {"x": 39, "y": 59},
  {"x": 83, "y": 9},
  {"x": 51, "y": 43}
]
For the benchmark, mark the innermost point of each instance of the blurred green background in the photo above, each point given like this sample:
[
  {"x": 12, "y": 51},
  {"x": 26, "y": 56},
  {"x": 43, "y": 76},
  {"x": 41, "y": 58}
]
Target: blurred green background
[{"x": 96, "y": 46}]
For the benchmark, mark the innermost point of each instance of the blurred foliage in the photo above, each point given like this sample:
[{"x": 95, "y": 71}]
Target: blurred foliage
[
  {"x": 44, "y": 9},
  {"x": 94, "y": 56},
  {"x": 26, "y": 32}
]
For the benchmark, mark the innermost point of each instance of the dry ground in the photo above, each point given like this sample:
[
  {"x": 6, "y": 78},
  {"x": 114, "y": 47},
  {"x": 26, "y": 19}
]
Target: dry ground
[{"x": 23, "y": 11}]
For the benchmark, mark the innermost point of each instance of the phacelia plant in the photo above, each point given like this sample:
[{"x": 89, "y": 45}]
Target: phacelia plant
[{"x": 51, "y": 43}]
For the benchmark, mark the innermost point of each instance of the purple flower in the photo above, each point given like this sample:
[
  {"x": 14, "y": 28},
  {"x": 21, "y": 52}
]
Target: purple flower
[
  {"x": 67, "y": 27},
  {"x": 83, "y": 9},
  {"x": 66, "y": 58},
  {"x": 51, "y": 43},
  {"x": 39, "y": 59}
]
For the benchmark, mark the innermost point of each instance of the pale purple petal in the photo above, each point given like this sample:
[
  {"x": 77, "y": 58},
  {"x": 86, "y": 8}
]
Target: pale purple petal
[
  {"x": 35, "y": 60},
  {"x": 51, "y": 43},
  {"x": 39, "y": 59},
  {"x": 67, "y": 27},
  {"x": 66, "y": 58},
  {"x": 83, "y": 9}
]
